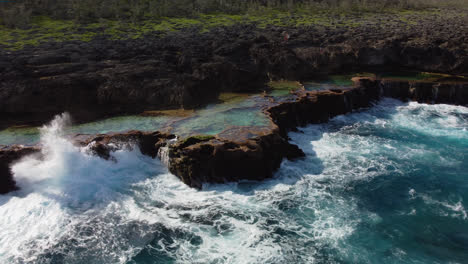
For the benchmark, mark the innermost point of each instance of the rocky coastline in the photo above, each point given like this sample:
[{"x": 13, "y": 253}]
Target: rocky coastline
[
  {"x": 188, "y": 68},
  {"x": 248, "y": 153}
]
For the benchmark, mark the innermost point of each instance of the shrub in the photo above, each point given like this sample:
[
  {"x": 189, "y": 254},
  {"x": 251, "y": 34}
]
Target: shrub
[{"x": 18, "y": 14}]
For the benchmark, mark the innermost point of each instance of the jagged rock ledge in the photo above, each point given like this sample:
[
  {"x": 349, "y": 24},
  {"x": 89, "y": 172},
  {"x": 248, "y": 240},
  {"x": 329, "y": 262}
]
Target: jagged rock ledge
[
  {"x": 244, "y": 153},
  {"x": 253, "y": 155},
  {"x": 107, "y": 77},
  {"x": 453, "y": 91}
]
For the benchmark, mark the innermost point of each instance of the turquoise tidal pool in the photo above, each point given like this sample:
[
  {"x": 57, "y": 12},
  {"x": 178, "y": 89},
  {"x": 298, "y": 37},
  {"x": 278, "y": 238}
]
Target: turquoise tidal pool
[
  {"x": 237, "y": 110},
  {"x": 232, "y": 110}
]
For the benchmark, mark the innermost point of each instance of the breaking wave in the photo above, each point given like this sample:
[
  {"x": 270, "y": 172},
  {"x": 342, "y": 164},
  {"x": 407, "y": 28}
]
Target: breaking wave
[{"x": 383, "y": 185}]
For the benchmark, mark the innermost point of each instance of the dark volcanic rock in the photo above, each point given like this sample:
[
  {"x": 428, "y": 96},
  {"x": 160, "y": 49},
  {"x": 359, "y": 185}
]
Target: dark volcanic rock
[
  {"x": 102, "y": 145},
  {"x": 218, "y": 160},
  {"x": 255, "y": 154},
  {"x": 440, "y": 92},
  {"x": 188, "y": 68},
  {"x": 9, "y": 155},
  {"x": 320, "y": 106},
  {"x": 243, "y": 153}
]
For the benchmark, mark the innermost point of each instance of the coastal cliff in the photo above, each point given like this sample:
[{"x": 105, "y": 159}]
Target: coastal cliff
[{"x": 188, "y": 68}]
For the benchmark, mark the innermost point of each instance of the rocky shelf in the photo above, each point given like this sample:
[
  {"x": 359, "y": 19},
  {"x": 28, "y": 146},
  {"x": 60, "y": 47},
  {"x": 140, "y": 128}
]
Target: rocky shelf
[
  {"x": 245, "y": 153},
  {"x": 105, "y": 77}
]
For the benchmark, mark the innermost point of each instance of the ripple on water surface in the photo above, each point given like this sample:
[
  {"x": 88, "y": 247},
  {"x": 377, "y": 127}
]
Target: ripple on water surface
[{"x": 384, "y": 185}]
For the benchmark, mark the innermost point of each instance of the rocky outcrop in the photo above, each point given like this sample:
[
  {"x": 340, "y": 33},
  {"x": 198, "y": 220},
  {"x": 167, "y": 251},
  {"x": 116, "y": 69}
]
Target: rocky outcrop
[
  {"x": 195, "y": 160},
  {"x": 439, "y": 92},
  {"x": 320, "y": 106},
  {"x": 219, "y": 160},
  {"x": 102, "y": 145},
  {"x": 247, "y": 153},
  {"x": 9, "y": 155},
  {"x": 255, "y": 154},
  {"x": 188, "y": 68}
]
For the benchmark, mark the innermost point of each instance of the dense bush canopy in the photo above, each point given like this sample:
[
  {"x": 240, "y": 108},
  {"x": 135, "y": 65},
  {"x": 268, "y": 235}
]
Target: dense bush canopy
[{"x": 18, "y": 13}]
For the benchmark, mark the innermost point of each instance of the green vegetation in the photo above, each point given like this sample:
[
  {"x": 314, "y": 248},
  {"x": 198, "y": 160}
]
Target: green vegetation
[
  {"x": 32, "y": 22},
  {"x": 201, "y": 137},
  {"x": 18, "y": 13},
  {"x": 44, "y": 29}
]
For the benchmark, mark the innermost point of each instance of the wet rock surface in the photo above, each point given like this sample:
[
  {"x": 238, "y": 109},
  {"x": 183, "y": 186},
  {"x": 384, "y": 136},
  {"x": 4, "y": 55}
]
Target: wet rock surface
[
  {"x": 99, "y": 145},
  {"x": 248, "y": 153},
  {"x": 320, "y": 106},
  {"x": 219, "y": 160},
  {"x": 439, "y": 92},
  {"x": 187, "y": 68},
  {"x": 102, "y": 145},
  {"x": 8, "y": 156}
]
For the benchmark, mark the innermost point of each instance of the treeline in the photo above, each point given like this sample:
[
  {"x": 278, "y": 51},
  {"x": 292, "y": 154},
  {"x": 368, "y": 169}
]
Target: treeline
[{"x": 17, "y": 13}]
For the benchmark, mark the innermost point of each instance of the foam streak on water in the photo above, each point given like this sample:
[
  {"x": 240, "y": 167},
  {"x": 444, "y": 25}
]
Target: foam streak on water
[{"x": 384, "y": 185}]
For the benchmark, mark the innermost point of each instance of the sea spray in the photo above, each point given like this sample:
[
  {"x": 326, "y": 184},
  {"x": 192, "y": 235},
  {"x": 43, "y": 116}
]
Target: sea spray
[
  {"x": 385, "y": 185},
  {"x": 51, "y": 161},
  {"x": 62, "y": 191},
  {"x": 163, "y": 152}
]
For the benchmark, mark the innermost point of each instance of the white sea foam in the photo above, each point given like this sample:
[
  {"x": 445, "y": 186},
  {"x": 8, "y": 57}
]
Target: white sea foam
[
  {"x": 62, "y": 189},
  {"x": 77, "y": 208},
  {"x": 446, "y": 208}
]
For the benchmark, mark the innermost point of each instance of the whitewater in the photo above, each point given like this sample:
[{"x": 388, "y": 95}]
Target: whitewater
[{"x": 388, "y": 184}]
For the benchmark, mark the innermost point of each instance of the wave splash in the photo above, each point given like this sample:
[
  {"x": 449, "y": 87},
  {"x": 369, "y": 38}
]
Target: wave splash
[
  {"x": 377, "y": 186},
  {"x": 69, "y": 200}
]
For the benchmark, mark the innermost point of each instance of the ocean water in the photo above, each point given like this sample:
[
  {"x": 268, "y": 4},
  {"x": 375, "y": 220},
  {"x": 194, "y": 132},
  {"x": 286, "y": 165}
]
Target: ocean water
[{"x": 388, "y": 184}]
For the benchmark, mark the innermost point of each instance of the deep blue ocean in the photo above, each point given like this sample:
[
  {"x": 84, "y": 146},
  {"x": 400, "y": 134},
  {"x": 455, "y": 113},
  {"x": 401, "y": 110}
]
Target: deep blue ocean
[{"x": 388, "y": 184}]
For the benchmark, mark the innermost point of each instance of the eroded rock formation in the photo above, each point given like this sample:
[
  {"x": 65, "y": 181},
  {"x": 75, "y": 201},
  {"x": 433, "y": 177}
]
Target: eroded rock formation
[
  {"x": 188, "y": 68},
  {"x": 102, "y": 145},
  {"x": 219, "y": 160},
  {"x": 439, "y": 92},
  {"x": 251, "y": 153},
  {"x": 320, "y": 106}
]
